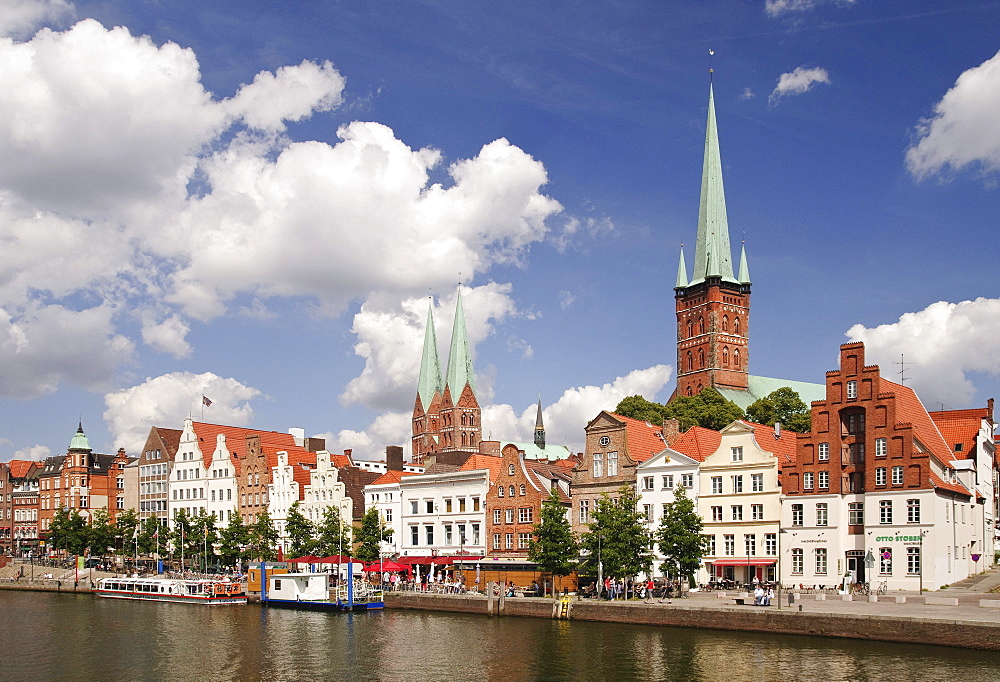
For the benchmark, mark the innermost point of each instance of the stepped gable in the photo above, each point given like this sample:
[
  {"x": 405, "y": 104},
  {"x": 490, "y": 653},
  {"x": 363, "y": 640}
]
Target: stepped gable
[
  {"x": 697, "y": 443},
  {"x": 959, "y": 428},
  {"x": 271, "y": 442},
  {"x": 783, "y": 448},
  {"x": 644, "y": 439}
]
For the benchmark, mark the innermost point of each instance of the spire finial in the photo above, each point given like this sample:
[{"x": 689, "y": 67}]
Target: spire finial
[{"x": 711, "y": 54}]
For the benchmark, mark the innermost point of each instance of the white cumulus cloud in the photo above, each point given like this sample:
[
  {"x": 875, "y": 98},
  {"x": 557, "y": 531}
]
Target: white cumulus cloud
[
  {"x": 292, "y": 93},
  {"x": 945, "y": 342},
  {"x": 168, "y": 399},
  {"x": 167, "y": 336},
  {"x": 775, "y": 8},
  {"x": 797, "y": 82},
  {"x": 963, "y": 130},
  {"x": 21, "y": 17},
  {"x": 32, "y": 453}
]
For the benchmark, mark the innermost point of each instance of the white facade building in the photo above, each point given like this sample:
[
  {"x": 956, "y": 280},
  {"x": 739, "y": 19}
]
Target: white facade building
[
  {"x": 326, "y": 490},
  {"x": 444, "y": 514},
  {"x": 657, "y": 480},
  {"x": 288, "y": 486}
]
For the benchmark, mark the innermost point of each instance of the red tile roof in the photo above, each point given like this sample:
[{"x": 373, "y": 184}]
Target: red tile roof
[
  {"x": 391, "y": 477},
  {"x": 697, "y": 443},
  {"x": 484, "y": 462},
  {"x": 960, "y": 426},
  {"x": 271, "y": 443},
  {"x": 909, "y": 410},
  {"x": 953, "y": 487},
  {"x": 783, "y": 447},
  {"x": 19, "y": 467},
  {"x": 644, "y": 439}
]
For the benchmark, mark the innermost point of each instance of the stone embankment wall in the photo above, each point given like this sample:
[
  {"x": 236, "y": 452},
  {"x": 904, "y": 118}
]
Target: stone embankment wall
[{"x": 905, "y": 629}]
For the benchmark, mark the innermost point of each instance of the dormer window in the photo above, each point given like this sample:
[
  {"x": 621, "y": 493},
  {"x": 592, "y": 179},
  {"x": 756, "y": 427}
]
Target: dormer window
[{"x": 958, "y": 447}]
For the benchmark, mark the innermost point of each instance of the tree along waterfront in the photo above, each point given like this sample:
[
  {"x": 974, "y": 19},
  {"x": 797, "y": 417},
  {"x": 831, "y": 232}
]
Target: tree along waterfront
[{"x": 78, "y": 637}]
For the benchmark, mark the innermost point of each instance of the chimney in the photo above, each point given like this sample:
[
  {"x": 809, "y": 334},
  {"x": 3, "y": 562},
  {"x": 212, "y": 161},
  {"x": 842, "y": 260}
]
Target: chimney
[
  {"x": 314, "y": 444},
  {"x": 394, "y": 458},
  {"x": 777, "y": 430},
  {"x": 347, "y": 454},
  {"x": 671, "y": 430},
  {"x": 298, "y": 434}
]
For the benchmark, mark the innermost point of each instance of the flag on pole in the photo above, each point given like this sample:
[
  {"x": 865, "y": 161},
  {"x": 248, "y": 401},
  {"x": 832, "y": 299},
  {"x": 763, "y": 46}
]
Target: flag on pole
[{"x": 205, "y": 401}]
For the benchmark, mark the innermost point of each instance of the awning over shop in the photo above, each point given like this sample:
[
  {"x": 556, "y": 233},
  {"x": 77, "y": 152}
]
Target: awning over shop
[{"x": 742, "y": 562}]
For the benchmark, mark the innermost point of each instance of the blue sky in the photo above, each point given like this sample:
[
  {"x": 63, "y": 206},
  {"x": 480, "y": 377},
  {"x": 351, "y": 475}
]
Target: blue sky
[{"x": 253, "y": 201}]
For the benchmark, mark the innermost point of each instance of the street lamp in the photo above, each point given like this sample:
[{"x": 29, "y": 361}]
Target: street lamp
[
  {"x": 781, "y": 532},
  {"x": 921, "y": 559}
]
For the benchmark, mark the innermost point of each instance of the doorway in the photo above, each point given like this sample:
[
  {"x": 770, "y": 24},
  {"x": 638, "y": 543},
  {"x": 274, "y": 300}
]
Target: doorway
[{"x": 856, "y": 565}]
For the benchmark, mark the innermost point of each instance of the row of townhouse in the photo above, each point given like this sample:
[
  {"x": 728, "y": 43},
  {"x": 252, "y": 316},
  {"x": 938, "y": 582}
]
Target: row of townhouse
[{"x": 881, "y": 490}]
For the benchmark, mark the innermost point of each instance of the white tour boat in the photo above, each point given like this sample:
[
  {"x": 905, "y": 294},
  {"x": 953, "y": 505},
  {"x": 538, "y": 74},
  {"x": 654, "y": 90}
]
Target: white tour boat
[{"x": 173, "y": 590}]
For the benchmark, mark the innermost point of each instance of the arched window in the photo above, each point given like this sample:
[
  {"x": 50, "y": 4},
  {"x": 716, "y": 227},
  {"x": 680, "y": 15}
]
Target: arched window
[
  {"x": 510, "y": 469},
  {"x": 736, "y": 325},
  {"x": 463, "y": 439},
  {"x": 499, "y": 491},
  {"x": 701, "y": 325},
  {"x": 690, "y": 360},
  {"x": 725, "y": 356},
  {"x": 522, "y": 490},
  {"x": 690, "y": 329},
  {"x": 736, "y": 358},
  {"x": 725, "y": 323},
  {"x": 701, "y": 358},
  {"x": 700, "y": 387},
  {"x": 511, "y": 491}
]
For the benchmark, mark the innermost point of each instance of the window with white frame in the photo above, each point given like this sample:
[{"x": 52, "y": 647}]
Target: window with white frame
[
  {"x": 757, "y": 512},
  {"x": 797, "y": 561},
  {"x": 822, "y": 514},
  {"x": 668, "y": 482},
  {"x": 897, "y": 475},
  {"x": 647, "y": 482},
  {"x": 807, "y": 480},
  {"x": 508, "y": 540},
  {"x": 880, "y": 477},
  {"x": 612, "y": 464},
  {"x": 711, "y": 545},
  {"x": 525, "y": 515},
  {"x": 687, "y": 480},
  {"x": 414, "y": 535},
  {"x": 523, "y": 540},
  {"x": 913, "y": 560},
  {"x": 737, "y": 484},
  {"x": 750, "y": 542},
  {"x": 737, "y": 510},
  {"x": 824, "y": 480},
  {"x": 885, "y": 511},
  {"x": 508, "y": 515},
  {"x": 737, "y": 454},
  {"x": 824, "y": 452},
  {"x": 881, "y": 447},
  {"x": 852, "y": 390},
  {"x": 821, "y": 561},
  {"x": 496, "y": 517},
  {"x": 496, "y": 541},
  {"x": 717, "y": 513},
  {"x": 584, "y": 511},
  {"x": 856, "y": 513},
  {"x": 716, "y": 485},
  {"x": 500, "y": 490},
  {"x": 757, "y": 483},
  {"x": 429, "y": 531},
  {"x": 729, "y": 542},
  {"x": 796, "y": 514},
  {"x": 647, "y": 512},
  {"x": 447, "y": 534},
  {"x": 913, "y": 511},
  {"x": 598, "y": 464},
  {"x": 771, "y": 544}
]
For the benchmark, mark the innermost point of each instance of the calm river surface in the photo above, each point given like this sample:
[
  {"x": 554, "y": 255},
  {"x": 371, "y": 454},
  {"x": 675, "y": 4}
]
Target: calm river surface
[{"x": 70, "y": 637}]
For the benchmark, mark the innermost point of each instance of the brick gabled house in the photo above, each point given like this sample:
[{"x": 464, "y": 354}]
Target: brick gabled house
[
  {"x": 514, "y": 500},
  {"x": 876, "y": 494},
  {"x": 615, "y": 445}
]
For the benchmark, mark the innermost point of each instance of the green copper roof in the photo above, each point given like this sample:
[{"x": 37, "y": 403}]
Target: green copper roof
[
  {"x": 550, "y": 452},
  {"x": 459, "y": 359},
  {"x": 712, "y": 255},
  {"x": 682, "y": 272},
  {"x": 430, "y": 366},
  {"x": 744, "y": 270},
  {"x": 79, "y": 441},
  {"x": 759, "y": 387}
]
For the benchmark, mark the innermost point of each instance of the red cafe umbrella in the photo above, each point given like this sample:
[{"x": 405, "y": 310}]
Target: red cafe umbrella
[{"x": 386, "y": 566}]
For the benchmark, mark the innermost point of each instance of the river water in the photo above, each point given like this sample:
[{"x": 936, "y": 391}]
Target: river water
[{"x": 80, "y": 637}]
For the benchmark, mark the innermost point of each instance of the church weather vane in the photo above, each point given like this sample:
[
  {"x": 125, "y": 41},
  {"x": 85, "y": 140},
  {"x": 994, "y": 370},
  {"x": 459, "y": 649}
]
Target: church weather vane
[{"x": 711, "y": 54}]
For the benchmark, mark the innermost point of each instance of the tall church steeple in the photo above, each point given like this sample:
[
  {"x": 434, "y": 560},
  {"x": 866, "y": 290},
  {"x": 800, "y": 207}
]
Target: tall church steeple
[
  {"x": 713, "y": 308},
  {"x": 460, "y": 370},
  {"x": 429, "y": 383},
  {"x": 539, "y": 426}
]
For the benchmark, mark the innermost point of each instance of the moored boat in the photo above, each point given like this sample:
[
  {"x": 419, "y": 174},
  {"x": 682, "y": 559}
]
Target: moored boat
[
  {"x": 208, "y": 592},
  {"x": 317, "y": 591}
]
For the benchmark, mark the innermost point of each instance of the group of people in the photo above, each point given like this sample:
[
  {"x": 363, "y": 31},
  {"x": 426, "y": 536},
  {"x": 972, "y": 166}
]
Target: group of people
[{"x": 762, "y": 596}]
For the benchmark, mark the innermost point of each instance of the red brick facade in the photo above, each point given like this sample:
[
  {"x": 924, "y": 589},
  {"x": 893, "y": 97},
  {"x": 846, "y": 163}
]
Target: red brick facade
[
  {"x": 446, "y": 425},
  {"x": 713, "y": 320}
]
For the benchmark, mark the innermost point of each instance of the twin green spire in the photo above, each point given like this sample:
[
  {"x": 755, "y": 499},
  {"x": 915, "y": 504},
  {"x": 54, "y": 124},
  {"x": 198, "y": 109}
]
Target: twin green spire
[
  {"x": 460, "y": 371},
  {"x": 712, "y": 255}
]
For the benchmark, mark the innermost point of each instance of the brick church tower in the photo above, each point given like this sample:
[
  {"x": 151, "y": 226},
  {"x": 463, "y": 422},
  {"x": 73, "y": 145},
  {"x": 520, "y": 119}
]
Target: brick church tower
[
  {"x": 446, "y": 414},
  {"x": 713, "y": 307}
]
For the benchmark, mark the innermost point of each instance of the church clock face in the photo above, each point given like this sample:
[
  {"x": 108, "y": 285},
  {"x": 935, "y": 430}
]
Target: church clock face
[{"x": 605, "y": 441}]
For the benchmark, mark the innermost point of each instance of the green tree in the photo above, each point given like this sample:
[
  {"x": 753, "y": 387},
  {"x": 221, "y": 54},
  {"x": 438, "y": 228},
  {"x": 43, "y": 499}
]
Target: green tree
[
  {"x": 233, "y": 542},
  {"x": 68, "y": 531},
  {"x": 204, "y": 536},
  {"x": 263, "y": 538},
  {"x": 152, "y": 538},
  {"x": 679, "y": 537},
  {"x": 100, "y": 533},
  {"x": 300, "y": 531},
  {"x": 618, "y": 536},
  {"x": 331, "y": 535},
  {"x": 182, "y": 538},
  {"x": 553, "y": 546},
  {"x": 125, "y": 530},
  {"x": 637, "y": 407},
  {"x": 369, "y": 535},
  {"x": 783, "y": 405},
  {"x": 708, "y": 409}
]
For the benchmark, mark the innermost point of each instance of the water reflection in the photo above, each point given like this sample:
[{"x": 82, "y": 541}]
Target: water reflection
[{"x": 79, "y": 637}]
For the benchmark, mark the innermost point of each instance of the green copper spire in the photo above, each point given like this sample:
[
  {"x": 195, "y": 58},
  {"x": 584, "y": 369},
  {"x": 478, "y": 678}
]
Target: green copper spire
[
  {"x": 712, "y": 255},
  {"x": 682, "y": 272},
  {"x": 744, "y": 270},
  {"x": 80, "y": 441},
  {"x": 459, "y": 359},
  {"x": 430, "y": 366},
  {"x": 539, "y": 426}
]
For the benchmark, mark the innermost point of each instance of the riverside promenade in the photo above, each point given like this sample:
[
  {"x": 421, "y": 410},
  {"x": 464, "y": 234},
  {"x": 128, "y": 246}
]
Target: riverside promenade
[{"x": 966, "y": 615}]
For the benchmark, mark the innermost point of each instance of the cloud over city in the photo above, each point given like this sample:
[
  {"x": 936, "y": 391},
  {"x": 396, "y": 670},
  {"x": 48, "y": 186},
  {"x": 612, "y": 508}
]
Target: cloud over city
[{"x": 796, "y": 82}]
